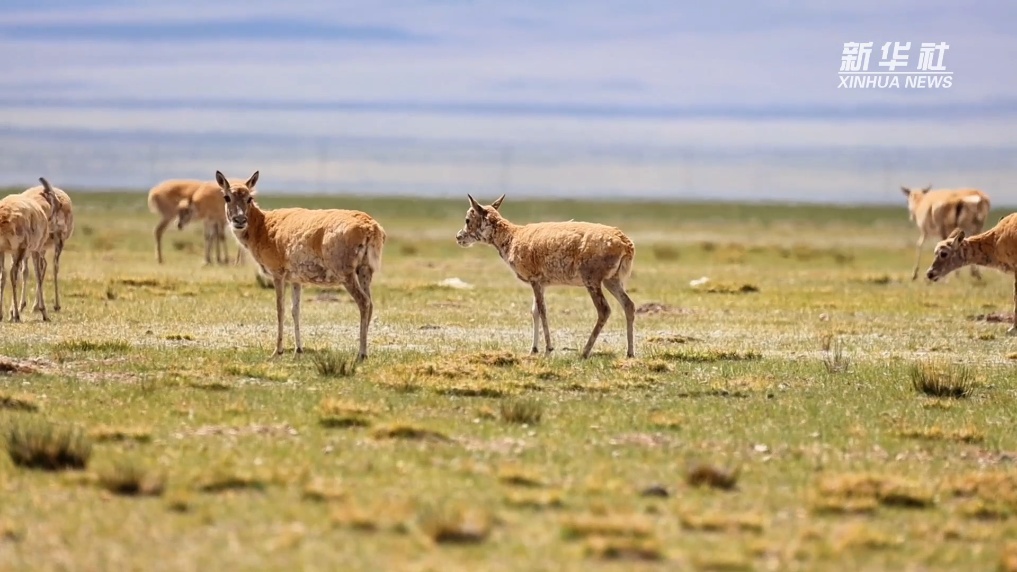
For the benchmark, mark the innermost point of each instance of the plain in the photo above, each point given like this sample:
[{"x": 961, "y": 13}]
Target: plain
[{"x": 806, "y": 407}]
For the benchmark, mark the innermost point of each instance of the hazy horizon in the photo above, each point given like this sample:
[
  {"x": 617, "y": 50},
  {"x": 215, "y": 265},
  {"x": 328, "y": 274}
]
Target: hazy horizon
[{"x": 732, "y": 100}]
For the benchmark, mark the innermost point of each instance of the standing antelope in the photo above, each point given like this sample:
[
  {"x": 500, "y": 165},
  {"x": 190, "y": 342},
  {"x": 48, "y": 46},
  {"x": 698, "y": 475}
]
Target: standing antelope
[
  {"x": 164, "y": 200},
  {"x": 941, "y": 211},
  {"x": 206, "y": 204},
  {"x": 24, "y": 227},
  {"x": 994, "y": 248},
  {"x": 304, "y": 246},
  {"x": 559, "y": 253},
  {"x": 61, "y": 228}
]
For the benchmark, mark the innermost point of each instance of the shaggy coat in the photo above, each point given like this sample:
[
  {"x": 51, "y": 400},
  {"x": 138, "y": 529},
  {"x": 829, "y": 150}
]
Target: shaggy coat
[
  {"x": 61, "y": 228},
  {"x": 302, "y": 246},
  {"x": 207, "y": 205},
  {"x": 164, "y": 200},
  {"x": 24, "y": 228},
  {"x": 559, "y": 253},
  {"x": 939, "y": 212},
  {"x": 994, "y": 248}
]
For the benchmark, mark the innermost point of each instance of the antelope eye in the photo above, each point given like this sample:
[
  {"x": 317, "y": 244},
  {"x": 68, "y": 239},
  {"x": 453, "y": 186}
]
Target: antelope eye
[
  {"x": 226, "y": 197},
  {"x": 250, "y": 200},
  {"x": 942, "y": 254}
]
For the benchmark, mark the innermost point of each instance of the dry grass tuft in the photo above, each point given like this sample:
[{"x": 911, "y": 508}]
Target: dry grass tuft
[
  {"x": 410, "y": 432},
  {"x": 856, "y": 536},
  {"x": 523, "y": 411},
  {"x": 608, "y": 548},
  {"x": 231, "y": 481},
  {"x": 40, "y": 444},
  {"x": 472, "y": 390},
  {"x": 456, "y": 525},
  {"x": 705, "y": 475},
  {"x": 720, "y": 522},
  {"x": 709, "y": 356},
  {"x": 128, "y": 477},
  {"x": 534, "y": 499},
  {"x": 500, "y": 359},
  {"x": 338, "y": 413},
  {"x": 106, "y": 433},
  {"x": 322, "y": 490},
  {"x": 862, "y": 488},
  {"x": 210, "y": 385},
  {"x": 391, "y": 516},
  {"x": 101, "y": 346},
  {"x": 968, "y": 434},
  {"x": 519, "y": 477},
  {"x": 625, "y": 526},
  {"x": 330, "y": 363},
  {"x": 12, "y": 402},
  {"x": 942, "y": 380},
  {"x": 990, "y": 495}
]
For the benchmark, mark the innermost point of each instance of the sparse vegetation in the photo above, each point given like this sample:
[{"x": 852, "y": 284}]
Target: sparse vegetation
[
  {"x": 524, "y": 411},
  {"x": 330, "y": 363},
  {"x": 942, "y": 380},
  {"x": 707, "y": 475},
  {"x": 129, "y": 477},
  {"x": 40, "y": 444},
  {"x": 12, "y": 402},
  {"x": 588, "y": 462}
]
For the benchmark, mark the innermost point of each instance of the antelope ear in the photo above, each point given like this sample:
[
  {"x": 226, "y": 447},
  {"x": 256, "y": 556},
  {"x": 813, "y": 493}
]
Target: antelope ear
[
  {"x": 497, "y": 203},
  {"x": 476, "y": 206},
  {"x": 927, "y": 189},
  {"x": 221, "y": 179},
  {"x": 252, "y": 181},
  {"x": 956, "y": 236},
  {"x": 906, "y": 191}
]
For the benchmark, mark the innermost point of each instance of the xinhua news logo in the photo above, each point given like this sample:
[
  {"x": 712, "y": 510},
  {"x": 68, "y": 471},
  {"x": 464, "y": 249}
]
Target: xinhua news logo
[{"x": 892, "y": 71}]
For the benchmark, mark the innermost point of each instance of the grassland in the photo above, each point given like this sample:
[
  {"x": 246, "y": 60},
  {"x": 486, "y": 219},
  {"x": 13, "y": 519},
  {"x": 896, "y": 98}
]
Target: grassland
[{"x": 778, "y": 417}]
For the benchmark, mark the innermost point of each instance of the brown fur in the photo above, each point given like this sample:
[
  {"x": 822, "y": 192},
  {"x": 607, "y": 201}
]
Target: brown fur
[
  {"x": 24, "y": 229},
  {"x": 207, "y": 205},
  {"x": 164, "y": 200},
  {"x": 61, "y": 229},
  {"x": 302, "y": 246},
  {"x": 994, "y": 248},
  {"x": 559, "y": 253},
  {"x": 940, "y": 212}
]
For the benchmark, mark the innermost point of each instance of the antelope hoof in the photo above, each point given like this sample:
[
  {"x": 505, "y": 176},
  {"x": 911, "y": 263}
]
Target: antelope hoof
[
  {"x": 361, "y": 357},
  {"x": 533, "y": 350},
  {"x": 56, "y": 308},
  {"x": 298, "y": 351}
]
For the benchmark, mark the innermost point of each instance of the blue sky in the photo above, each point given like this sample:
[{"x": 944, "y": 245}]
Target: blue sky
[{"x": 652, "y": 74}]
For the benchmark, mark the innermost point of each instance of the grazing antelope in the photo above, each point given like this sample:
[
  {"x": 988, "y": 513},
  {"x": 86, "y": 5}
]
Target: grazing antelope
[
  {"x": 302, "y": 246},
  {"x": 994, "y": 248},
  {"x": 207, "y": 205},
  {"x": 61, "y": 228},
  {"x": 941, "y": 211},
  {"x": 164, "y": 200},
  {"x": 558, "y": 253},
  {"x": 24, "y": 228}
]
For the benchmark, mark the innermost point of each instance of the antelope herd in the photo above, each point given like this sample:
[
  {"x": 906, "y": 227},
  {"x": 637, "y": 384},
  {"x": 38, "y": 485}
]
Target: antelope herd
[{"x": 298, "y": 246}]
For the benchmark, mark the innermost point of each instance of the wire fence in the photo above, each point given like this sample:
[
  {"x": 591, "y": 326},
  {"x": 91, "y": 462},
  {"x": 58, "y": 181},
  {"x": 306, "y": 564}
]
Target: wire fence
[{"x": 291, "y": 164}]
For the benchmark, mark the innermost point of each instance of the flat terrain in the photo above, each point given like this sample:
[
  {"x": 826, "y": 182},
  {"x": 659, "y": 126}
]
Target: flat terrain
[{"x": 769, "y": 421}]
